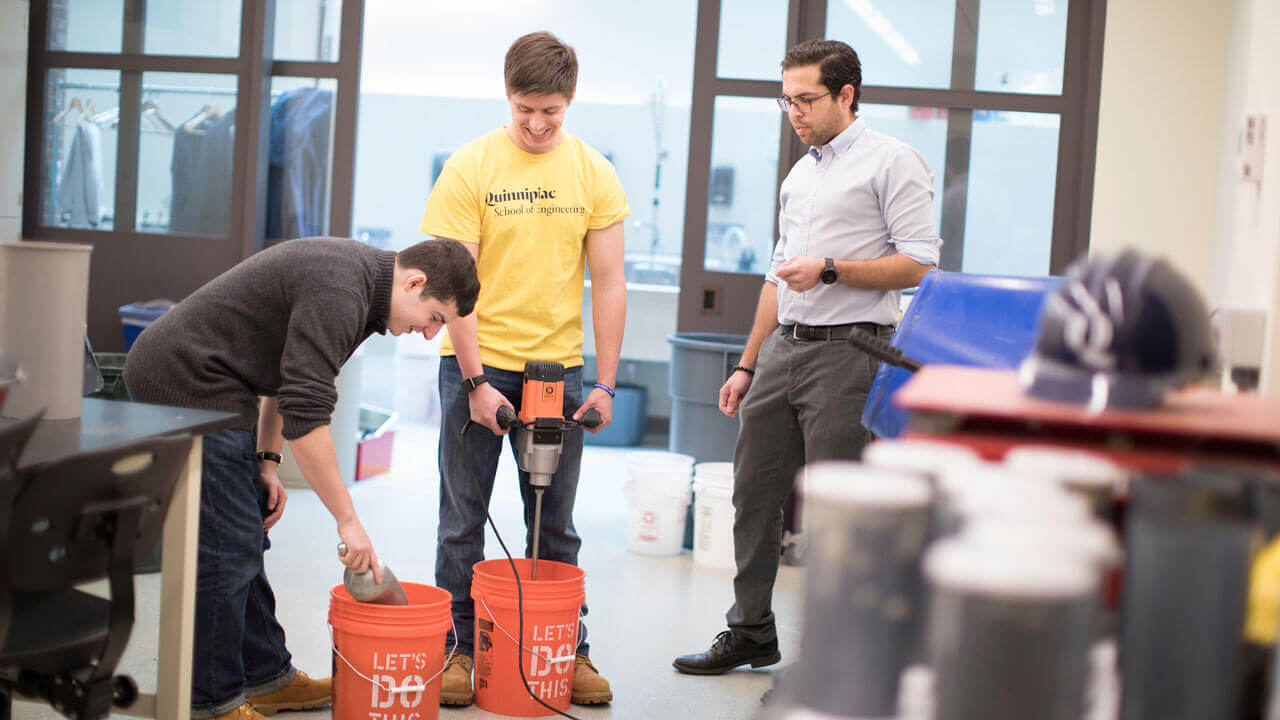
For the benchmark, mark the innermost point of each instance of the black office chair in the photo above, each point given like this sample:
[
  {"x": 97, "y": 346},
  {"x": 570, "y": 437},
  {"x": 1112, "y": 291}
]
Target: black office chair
[{"x": 85, "y": 518}]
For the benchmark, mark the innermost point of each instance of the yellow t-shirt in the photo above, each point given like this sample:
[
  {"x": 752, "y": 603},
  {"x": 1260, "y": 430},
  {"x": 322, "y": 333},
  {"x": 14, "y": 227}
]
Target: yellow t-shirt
[{"x": 530, "y": 215}]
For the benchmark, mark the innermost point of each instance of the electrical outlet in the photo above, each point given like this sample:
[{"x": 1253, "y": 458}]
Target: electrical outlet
[{"x": 711, "y": 296}]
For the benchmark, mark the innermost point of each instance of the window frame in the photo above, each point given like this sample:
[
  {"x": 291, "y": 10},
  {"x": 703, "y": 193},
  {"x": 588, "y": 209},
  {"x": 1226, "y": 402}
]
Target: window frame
[
  {"x": 1076, "y": 107},
  {"x": 179, "y": 263}
]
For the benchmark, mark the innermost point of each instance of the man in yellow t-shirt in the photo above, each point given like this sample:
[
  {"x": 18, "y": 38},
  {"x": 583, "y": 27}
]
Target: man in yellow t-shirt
[{"x": 534, "y": 205}]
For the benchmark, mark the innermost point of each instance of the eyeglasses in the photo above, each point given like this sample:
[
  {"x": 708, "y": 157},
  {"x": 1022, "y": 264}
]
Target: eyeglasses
[{"x": 803, "y": 104}]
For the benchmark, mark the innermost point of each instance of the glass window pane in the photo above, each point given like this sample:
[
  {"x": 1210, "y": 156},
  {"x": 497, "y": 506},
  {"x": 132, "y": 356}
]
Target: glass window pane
[
  {"x": 753, "y": 37},
  {"x": 308, "y": 30},
  {"x": 923, "y": 128},
  {"x": 1021, "y": 45},
  {"x": 742, "y": 207},
  {"x": 184, "y": 173},
  {"x": 86, "y": 25},
  {"x": 209, "y": 28},
  {"x": 300, "y": 166},
  {"x": 906, "y": 44},
  {"x": 632, "y": 104},
  {"x": 78, "y": 188},
  {"x": 1013, "y": 169}
]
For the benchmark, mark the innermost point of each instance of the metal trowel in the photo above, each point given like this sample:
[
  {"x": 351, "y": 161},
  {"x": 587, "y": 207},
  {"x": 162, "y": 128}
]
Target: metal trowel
[{"x": 364, "y": 589}]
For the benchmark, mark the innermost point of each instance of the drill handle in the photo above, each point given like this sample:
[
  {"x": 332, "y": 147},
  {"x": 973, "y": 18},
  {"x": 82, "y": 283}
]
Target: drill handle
[
  {"x": 591, "y": 418},
  {"x": 507, "y": 418}
]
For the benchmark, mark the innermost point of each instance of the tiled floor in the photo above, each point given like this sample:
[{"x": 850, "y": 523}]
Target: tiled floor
[{"x": 645, "y": 610}]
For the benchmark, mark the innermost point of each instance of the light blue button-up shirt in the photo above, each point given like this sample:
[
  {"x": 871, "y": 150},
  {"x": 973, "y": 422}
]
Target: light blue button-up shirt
[{"x": 862, "y": 196}]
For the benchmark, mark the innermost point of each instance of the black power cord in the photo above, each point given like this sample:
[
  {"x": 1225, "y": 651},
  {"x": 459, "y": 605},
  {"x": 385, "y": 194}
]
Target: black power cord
[
  {"x": 882, "y": 350},
  {"x": 524, "y": 681}
]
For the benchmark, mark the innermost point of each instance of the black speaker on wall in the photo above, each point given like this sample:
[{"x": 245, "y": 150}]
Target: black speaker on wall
[{"x": 722, "y": 185}]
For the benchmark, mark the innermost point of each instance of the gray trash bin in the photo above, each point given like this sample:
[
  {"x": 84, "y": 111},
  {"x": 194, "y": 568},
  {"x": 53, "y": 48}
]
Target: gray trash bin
[{"x": 700, "y": 363}]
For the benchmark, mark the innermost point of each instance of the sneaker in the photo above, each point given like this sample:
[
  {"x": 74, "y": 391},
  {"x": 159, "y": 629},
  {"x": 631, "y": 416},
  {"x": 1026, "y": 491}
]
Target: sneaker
[
  {"x": 728, "y": 652},
  {"x": 244, "y": 712},
  {"x": 589, "y": 686},
  {"x": 455, "y": 682},
  {"x": 302, "y": 693}
]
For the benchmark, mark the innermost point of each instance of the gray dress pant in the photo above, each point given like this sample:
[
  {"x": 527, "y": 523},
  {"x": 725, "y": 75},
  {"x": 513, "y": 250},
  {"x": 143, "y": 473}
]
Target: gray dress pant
[{"x": 804, "y": 405}]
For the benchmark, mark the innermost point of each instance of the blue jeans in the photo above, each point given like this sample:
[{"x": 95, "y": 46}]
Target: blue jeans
[
  {"x": 239, "y": 646},
  {"x": 468, "y": 464}
]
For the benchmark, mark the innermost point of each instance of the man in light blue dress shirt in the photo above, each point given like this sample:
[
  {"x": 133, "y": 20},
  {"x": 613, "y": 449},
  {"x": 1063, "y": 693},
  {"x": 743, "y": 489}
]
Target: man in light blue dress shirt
[{"x": 855, "y": 228}]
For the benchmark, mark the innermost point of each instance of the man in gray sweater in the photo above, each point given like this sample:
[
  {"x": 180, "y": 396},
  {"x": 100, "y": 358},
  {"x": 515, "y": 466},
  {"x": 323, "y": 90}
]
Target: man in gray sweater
[{"x": 279, "y": 326}]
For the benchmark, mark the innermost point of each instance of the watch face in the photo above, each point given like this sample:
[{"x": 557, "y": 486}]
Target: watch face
[{"x": 828, "y": 276}]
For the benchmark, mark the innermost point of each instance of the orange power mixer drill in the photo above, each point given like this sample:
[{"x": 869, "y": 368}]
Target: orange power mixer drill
[{"x": 540, "y": 429}]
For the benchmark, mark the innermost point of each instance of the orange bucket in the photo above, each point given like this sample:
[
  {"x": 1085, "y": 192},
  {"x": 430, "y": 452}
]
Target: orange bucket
[
  {"x": 552, "y": 605},
  {"x": 387, "y": 659}
]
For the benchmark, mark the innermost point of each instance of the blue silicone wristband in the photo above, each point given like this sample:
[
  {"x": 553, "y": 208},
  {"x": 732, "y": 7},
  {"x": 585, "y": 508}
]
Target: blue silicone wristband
[{"x": 605, "y": 388}]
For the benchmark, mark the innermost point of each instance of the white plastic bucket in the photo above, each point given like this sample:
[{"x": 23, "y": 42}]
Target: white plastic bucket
[
  {"x": 658, "y": 494},
  {"x": 713, "y": 515}
]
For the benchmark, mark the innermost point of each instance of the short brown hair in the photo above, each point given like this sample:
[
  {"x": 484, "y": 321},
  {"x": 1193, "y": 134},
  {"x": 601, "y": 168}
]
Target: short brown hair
[
  {"x": 450, "y": 271},
  {"x": 837, "y": 62},
  {"x": 538, "y": 63}
]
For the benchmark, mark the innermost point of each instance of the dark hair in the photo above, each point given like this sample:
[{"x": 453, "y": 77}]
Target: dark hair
[
  {"x": 539, "y": 63},
  {"x": 450, "y": 271},
  {"x": 837, "y": 62}
]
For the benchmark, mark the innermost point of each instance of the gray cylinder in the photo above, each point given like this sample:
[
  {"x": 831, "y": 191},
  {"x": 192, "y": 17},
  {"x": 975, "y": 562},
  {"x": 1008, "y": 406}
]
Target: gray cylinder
[
  {"x": 1010, "y": 630},
  {"x": 862, "y": 589},
  {"x": 46, "y": 289},
  {"x": 1185, "y": 590}
]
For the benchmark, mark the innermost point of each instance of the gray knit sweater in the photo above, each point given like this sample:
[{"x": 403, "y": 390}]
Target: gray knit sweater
[{"x": 279, "y": 324}]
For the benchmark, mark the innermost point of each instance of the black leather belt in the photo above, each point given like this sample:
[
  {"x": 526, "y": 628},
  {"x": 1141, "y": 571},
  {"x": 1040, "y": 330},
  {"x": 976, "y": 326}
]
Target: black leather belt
[{"x": 800, "y": 331}]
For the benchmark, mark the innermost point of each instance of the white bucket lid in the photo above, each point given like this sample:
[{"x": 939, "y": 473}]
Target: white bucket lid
[
  {"x": 926, "y": 456},
  {"x": 992, "y": 490},
  {"x": 659, "y": 479},
  {"x": 710, "y": 474},
  {"x": 1016, "y": 568},
  {"x": 854, "y": 484},
  {"x": 647, "y": 458},
  {"x": 671, "y": 490},
  {"x": 1091, "y": 539},
  {"x": 1077, "y": 467}
]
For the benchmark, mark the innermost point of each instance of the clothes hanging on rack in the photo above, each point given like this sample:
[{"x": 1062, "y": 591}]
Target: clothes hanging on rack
[
  {"x": 298, "y": 169},
  {"x": 79, "y": 198},
  {"x": 201, "y": 170}
]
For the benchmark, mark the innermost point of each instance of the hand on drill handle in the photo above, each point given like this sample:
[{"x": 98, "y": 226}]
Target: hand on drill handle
[
  {"x": 484, "y": 402},
  {"x": 591, "y": 419},
  {"x": 603, "y": 403}
]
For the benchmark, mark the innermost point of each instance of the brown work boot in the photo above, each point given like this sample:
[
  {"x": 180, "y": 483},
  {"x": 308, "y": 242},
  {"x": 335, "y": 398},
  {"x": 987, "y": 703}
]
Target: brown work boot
[
  {"x": 244, "y": 712},
  {"x": 303, "y": 693},
  {"x": 589, "y": 686},
  {"x": 455, "y": 683}
]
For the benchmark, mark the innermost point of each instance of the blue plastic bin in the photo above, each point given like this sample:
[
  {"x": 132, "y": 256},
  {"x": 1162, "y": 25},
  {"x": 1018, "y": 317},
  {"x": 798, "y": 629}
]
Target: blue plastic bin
[
  {"x": 630, "y": 415},
  {"x": 958, "y": 319},
  {"x": 136, "y": 317}
]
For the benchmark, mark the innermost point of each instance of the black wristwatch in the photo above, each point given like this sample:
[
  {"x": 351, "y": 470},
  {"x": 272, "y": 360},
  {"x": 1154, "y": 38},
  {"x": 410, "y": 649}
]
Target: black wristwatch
[
  {"x": 471, "y": 383},
  {"x": 268, "y": 455},
  {"x": 828, "y": 275}
]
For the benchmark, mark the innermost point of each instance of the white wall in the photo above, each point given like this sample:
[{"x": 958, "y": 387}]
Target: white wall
[
  {"x": 1177, "y": 81},
  {"x": 1159, "y": 123},
  {"x": 13, "y": 102},
  {"x": 1244, "y": 265}
]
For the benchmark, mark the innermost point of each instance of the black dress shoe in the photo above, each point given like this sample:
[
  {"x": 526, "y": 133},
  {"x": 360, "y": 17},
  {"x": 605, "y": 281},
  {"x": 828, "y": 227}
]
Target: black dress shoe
[{"x": 728, "y": 652}]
